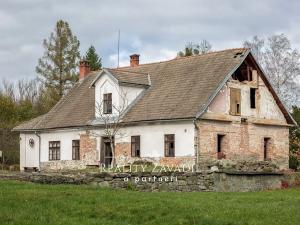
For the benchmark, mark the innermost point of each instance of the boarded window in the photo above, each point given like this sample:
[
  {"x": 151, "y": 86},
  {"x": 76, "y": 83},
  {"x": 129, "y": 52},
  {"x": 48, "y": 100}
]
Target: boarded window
[
  {"x": 235, "y": 101},
  {"x": 135, "y": 146},
  {"x": 75, "y": 149},
  {"x": 252, "y": 98},
  {"x": 54, "y": 150},
  {"x": 107, "y": 103},
  {"x": 169, "y": 145}
]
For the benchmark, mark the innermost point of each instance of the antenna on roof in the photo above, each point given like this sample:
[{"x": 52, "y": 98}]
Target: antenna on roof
[{"x": 119, "y": 48}]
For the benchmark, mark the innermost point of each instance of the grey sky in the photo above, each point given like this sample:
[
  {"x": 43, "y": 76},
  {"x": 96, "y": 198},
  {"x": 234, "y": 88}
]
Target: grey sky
[{"x": 156, "y": 29}]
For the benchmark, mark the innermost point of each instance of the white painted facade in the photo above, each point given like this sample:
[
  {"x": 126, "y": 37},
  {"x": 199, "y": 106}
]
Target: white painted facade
[
  {"x": 151, "y": 141},
  {"x": 122, "y": 96}
]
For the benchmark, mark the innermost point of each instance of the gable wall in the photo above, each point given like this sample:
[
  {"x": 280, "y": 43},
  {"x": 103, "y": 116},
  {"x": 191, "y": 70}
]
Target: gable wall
[
  {"x": 266, "y": 107},
  {"x": 122, "y": 96}
]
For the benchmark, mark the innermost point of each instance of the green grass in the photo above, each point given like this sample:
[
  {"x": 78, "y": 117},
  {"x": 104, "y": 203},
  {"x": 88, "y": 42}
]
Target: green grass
[{"x": 27, "y": 203}]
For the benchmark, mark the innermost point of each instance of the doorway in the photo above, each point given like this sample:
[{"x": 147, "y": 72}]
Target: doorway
[{"x": 106, "y": 152}]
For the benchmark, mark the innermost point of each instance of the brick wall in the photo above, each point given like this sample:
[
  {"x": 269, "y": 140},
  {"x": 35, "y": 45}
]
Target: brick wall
[
  {"x": 88, "y": 149},
  {"x": 243, "y": 141}
]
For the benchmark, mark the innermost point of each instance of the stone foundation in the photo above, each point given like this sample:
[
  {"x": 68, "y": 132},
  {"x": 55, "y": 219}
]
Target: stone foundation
[
  {"x": 63, "y": 165},
  {"x": 123, "y": 157}
]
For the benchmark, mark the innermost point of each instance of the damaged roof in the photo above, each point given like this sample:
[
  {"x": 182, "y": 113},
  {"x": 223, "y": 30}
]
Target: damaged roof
[{"x": 180, "y": 88}]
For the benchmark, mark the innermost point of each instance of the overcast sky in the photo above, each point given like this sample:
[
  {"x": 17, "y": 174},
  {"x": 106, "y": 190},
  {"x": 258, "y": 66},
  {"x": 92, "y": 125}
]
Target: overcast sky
[{"x": 156, "y": 29}]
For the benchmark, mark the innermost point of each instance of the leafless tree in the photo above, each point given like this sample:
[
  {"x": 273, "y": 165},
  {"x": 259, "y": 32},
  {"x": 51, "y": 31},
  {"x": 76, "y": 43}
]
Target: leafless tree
[
  {"x": 8, "y": 89},
  {"x": 28, "y": 89},
  {"x": 281, "y": 63}
]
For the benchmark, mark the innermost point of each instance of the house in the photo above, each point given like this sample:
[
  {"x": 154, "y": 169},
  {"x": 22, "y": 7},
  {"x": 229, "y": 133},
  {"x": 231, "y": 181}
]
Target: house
[{"x": 188, "y": 110}]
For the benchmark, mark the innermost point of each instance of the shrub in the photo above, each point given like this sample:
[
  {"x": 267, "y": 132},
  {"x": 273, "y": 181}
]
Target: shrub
[{"x": 293, "y": 162}]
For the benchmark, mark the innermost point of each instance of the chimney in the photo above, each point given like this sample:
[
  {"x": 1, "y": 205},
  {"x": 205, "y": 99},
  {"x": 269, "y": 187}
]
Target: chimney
[
  {"x": 84, "y": 68},
  {"x": 134, "y": 60}
]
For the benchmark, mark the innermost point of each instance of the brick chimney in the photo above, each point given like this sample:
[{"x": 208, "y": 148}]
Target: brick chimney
[
  {"x": 134, "y": 60},
  {"x": 84, "y": 68}
]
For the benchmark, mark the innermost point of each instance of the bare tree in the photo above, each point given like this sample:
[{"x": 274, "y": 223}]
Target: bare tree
[
  {"x": 28, "y": 90},
  {"x": 110, "y": 116},
  {"x": 8, "y": 89},
  {"x": 281, "y": 64}
]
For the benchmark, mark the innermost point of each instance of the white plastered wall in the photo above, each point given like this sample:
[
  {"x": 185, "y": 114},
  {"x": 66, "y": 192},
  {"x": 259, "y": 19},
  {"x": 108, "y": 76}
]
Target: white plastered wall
[
  {"x": 120, "y": 94},
  {"x": 152, "y": 138},
  {"x": 29, "y": 155}
]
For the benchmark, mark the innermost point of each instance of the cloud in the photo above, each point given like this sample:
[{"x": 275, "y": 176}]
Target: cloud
[{"x": 153, "y": 28}]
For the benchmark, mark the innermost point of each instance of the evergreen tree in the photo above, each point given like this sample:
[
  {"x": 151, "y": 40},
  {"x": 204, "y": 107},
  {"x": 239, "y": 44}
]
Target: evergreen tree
[
  {"x": 195, "y": 49},
  {"x": 93, "y": 58},
  {"x": 57, "y": 68}
]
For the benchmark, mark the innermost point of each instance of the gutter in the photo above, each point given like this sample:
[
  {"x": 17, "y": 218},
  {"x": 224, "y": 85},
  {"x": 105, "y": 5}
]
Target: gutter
[{"x": 39, "y": 136}]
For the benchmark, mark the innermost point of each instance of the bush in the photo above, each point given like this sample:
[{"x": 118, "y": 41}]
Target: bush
[{"x": 293, "y": 162}]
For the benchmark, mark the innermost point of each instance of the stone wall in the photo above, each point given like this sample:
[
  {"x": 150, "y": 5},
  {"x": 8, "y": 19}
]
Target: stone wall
[
  {"x": 61, "y": 165},
  {"x": 246, "y": 181},
  {"x": 164, "y": 181},
  {"x": 243, "y": 142}
]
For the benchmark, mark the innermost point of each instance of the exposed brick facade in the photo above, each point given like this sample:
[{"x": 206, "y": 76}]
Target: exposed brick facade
[
  {"x": 88, "y": 149},
  {"x": 243, "y": 141}
]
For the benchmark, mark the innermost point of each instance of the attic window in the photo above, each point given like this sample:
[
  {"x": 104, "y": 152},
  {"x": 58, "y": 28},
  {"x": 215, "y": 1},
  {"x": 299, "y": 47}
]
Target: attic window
[{"x": 107, "y": 103}]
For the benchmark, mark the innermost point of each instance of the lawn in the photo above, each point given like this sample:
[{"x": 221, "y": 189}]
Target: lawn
[{"x": 27, "y": 203}]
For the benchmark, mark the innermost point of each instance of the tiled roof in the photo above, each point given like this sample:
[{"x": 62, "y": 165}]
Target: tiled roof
[{"x": 180, "y": 88}]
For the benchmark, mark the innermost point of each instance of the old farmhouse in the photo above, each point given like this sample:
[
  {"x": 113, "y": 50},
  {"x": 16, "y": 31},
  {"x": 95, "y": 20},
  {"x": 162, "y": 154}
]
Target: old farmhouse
[{"x": 188, "y": 110}]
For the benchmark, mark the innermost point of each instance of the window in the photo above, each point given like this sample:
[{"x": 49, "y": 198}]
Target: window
[
  {"x": 235, "y": 101},
  {"x": 252, "y": 98},
  {"x": 135, "y": 146},
  {"x": 266, "y": 148},
  {"x": 169, "y": 145},
  {"x": 220, "y": 146},
  {"x": 107, "y": 103},
  {"x": 76, "y": 150},
  {"x": 54, "y": 150}
]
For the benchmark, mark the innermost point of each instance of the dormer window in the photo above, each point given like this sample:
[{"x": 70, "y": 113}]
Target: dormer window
[{"x": 107, "y": 103}]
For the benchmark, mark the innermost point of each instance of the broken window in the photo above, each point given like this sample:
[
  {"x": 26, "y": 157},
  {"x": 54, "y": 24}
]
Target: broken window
[
  {"x": 135, "y": 146},
  {"x": 252, "y": 98},
  {"x": 235, "y": 101},
  {"x": 76, "y": 150},
  {"x": 266, "y": 148},
  {"x": 107, "y": 103},
  {"x": 220, "y": 144},
  {"x": 169, "y": 145},
  {"x": 54, "y": 150}
]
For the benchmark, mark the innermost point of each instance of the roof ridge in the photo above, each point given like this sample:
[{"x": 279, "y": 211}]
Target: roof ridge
[
  {"x": 185, "y": 57},
  {"x": 127, "y": 71}
]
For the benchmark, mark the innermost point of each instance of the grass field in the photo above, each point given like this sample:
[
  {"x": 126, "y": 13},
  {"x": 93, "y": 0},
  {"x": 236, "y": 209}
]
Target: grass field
[{"x": 26, "y": 203}]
